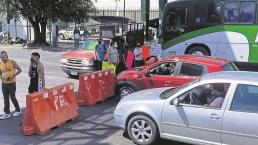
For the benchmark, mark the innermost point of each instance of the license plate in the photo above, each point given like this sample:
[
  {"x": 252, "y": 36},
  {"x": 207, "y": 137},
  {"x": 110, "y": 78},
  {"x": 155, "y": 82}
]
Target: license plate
[{"x": 74, "y": 73}]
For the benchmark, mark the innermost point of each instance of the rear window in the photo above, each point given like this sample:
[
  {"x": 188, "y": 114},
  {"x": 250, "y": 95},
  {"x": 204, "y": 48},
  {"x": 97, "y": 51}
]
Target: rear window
[
  {"x": 229, "y": 67},
  {"x": 189, "y": 69},
  {"x": 90, "y": 44}
]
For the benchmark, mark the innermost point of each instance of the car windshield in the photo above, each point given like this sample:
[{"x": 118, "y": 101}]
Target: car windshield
[
  {"x": 169, "y": 92},
  {"x": 229, "y": 67},
  {"x": 89, "y": 44}
]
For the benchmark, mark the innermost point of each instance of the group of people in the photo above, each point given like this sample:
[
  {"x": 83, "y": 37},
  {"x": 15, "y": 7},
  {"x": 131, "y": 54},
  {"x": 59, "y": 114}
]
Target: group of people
[
  {"x": 9, "y": 70},
  {"x": 125, "y": 57}
]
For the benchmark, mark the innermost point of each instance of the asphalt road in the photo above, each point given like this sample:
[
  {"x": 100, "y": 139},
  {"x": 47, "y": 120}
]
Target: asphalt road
[{"x": 95, "y": 125}]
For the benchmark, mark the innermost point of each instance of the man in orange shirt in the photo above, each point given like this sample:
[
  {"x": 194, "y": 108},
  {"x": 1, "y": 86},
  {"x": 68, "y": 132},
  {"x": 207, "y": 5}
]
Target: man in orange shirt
[{"x": 8, "y": 72}]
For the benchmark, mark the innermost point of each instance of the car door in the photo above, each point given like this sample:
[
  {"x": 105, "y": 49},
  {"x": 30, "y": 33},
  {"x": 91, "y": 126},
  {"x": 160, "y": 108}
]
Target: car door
[
  {"x": 196, "y": 119},
  {"x": 240, "y": 121},
  {"x": 188, "y": 72},
  {"x": 161, "y": 75}
]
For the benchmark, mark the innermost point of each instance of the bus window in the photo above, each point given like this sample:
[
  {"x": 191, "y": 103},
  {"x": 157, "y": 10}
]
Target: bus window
[
  {"x": 176, "y": 22},
  {"x": 214, "y": 13},
  {"x": 231, "y": 12},
  {"x": 247, "y": 12}
]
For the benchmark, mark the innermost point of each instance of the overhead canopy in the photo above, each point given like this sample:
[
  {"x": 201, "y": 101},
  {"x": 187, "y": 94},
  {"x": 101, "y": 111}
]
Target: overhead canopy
[{"x": 111, "y": 19}]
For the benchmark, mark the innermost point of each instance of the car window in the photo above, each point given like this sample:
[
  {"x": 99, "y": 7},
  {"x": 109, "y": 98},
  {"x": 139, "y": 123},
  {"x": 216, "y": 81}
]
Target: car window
[
  {"x": 165, "y": 68},
  {"x": 247, "y": 12},
  {"x": 208, "y": 95},
  {"x": 245, "y": 99},
  {"x": 229, "y": 67},
  {"x": 188, "y": 69}
]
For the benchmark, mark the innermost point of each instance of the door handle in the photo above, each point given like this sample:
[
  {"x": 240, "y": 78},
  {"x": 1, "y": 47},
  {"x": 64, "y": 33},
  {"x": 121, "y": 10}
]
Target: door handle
[{"x": 214, "y": 116}]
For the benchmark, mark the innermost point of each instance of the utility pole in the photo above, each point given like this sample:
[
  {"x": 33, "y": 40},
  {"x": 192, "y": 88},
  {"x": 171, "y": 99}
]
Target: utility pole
[
  {"x": 145, "y": 10},
  {"x": 123, "y": 20},
  {"x": 8, "y": 18}
]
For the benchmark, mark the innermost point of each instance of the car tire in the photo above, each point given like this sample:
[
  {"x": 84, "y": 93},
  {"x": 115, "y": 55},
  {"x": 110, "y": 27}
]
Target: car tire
[
  {"x": 199, "y": 50},
  {"x": 61, "y": 37},
  {"x": 126, "y": 90},
  {"x": 142, "y": 130}
]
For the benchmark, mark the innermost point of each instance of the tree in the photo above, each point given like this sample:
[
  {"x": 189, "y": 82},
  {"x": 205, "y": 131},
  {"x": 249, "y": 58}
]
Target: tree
[{"x": 38, "y": 12}]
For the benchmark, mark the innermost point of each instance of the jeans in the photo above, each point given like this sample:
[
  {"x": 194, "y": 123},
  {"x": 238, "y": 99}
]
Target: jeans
[
  {"x": 76, "y": 43},
  {"x": 9, "y": 92}
]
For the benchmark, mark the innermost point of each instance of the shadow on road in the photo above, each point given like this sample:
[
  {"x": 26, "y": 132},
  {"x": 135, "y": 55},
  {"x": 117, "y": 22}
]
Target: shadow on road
[{"x": 95, "y": 126}]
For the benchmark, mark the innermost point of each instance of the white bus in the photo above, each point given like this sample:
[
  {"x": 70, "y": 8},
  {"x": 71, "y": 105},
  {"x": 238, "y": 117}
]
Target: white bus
[{"x": 222, "y": 28}]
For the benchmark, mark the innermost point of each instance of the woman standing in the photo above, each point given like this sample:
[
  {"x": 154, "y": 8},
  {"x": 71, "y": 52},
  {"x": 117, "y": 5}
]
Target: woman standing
[
  {"x": 36, "y": 73},
  {"x": 138, "y": 57},
  {"x": 112, "y": 54}
]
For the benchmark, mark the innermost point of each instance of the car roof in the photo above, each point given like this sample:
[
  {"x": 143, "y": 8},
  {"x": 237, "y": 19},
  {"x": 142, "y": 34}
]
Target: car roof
[
  {"x": 206, "y": 60},
  {"x": 232, "y": 76},
  {"x": 96, "y": 38}
]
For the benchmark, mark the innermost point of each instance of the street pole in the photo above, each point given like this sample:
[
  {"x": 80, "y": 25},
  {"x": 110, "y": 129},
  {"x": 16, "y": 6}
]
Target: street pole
[
  {"x": 145, "y": 10},
  {"x": 8, "y": 18},
  {"x": 123, "y": 20}
]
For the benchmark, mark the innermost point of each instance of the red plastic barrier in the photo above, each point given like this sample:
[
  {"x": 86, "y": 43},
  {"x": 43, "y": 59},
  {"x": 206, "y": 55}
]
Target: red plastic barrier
[
  {"x": 48, "y": 109},
  {"x": 96, "y": 86}
]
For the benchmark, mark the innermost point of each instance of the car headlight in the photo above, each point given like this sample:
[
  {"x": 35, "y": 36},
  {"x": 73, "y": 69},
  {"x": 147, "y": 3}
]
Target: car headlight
[
  {"x": 85, "y": 62},
  {"x": 63, "y": 61}
]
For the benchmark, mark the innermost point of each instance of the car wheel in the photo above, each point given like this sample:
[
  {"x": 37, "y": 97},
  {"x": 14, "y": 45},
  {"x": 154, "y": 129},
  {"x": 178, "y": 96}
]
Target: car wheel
[
  {"x": 199, "y": 50},
  {"x": 142, "y": 130},
  {"x": 61, "y": 37},
  {"x": 126, "y": 90}
]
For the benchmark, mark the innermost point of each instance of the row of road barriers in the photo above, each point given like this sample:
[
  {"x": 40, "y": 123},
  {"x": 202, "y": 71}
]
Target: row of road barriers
[{"x": 53, "y": 107}]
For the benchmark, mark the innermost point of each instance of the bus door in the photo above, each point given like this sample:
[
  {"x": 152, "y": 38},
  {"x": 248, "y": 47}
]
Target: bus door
[{"x": 175, "y": 22}]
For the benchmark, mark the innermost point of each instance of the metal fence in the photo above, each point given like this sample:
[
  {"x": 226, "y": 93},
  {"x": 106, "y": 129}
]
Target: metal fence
[{"x": 133, "y": 14}]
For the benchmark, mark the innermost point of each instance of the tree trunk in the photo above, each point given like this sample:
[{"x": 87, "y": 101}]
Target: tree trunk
[{"x": 39, "y": 32}]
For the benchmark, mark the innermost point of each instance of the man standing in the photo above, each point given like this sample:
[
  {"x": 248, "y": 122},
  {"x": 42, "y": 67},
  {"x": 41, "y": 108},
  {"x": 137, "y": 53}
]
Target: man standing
[
  {"x": 36, "y": 73},
  {"x": 8, "y": 71},
  {"x": 77, "y": 37},
  {"x": 100, "y": 53}
]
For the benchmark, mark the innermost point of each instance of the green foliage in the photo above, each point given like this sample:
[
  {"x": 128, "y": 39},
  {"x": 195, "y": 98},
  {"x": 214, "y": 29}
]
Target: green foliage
[
  {"x": 66, "y": 10},
  {"x": 38, "y": 12}
]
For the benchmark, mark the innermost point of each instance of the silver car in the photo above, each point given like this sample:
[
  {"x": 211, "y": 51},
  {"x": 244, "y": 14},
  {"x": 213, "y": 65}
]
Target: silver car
[{"x": 218, "y": 109}]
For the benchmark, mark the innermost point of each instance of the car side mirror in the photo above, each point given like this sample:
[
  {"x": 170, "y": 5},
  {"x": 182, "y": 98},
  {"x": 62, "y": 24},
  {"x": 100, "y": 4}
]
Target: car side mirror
[{"x": 175, "y": 102}]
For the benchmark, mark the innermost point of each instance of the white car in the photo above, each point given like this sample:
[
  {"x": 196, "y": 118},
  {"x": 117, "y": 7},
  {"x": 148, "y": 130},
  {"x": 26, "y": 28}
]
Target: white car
[
  {"x": 68, "y": 33},
  {"x": 218, "y": 109}
]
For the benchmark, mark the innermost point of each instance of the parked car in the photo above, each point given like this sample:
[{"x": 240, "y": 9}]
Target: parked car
[
  {"x": 219, "y": 108},
  {"x": 80, "y": 61},
  {"x": 170, "y": 72},
  {"x": 68, "y": 33}
]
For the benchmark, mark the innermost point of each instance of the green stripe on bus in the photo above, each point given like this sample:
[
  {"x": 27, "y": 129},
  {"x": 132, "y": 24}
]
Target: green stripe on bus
[{"x": 247, "y": 30}]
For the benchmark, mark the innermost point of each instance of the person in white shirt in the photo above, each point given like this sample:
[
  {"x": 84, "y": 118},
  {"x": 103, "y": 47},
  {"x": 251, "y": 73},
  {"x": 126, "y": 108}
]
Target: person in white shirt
[{"x": 138, "y": 58}]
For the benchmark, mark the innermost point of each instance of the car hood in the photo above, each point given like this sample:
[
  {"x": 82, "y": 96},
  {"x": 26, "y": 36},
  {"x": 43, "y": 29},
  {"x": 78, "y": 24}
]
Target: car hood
[
  {"x": 80, "y": 54},
  {"x": 133, "y": 71},
  {"x": 145, "y": 95}
]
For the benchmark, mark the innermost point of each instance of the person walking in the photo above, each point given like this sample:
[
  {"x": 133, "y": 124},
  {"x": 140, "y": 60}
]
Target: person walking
[
  {"x": 9, "y": 69},
  {"x": 36, "y": 74},
  {"x": 100, "y": 51},
  {"x": 77, "y": 37},
  {"x": 138, "y": 58}
]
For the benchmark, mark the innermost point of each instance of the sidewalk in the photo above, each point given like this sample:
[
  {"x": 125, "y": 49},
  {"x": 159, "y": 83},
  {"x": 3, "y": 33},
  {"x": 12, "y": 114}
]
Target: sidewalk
[{"x": 62, "y": 46}]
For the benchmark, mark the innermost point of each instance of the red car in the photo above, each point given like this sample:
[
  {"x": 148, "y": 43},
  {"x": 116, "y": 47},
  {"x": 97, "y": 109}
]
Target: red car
[{"x": 170, "y": 72}]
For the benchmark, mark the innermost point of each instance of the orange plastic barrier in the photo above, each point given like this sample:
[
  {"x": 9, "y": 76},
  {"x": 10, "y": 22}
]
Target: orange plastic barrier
[
  {"x": 95, "y": 87},
  {"x": 48, "y": 109}
]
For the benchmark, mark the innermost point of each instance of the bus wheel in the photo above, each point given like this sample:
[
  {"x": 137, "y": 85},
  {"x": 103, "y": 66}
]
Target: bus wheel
[{"x": 198, "y": 50}]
